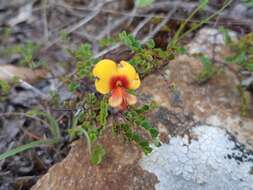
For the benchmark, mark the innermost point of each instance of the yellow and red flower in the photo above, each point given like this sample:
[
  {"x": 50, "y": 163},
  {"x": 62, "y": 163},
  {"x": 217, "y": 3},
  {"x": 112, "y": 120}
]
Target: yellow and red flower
[{"x": 116, "y": 79}]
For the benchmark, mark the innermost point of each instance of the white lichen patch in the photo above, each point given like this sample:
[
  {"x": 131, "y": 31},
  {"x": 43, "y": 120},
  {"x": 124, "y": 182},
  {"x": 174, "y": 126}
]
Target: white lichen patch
[
  {"x": 236, "y": 125},
  {"x": 206, "y": 37},
  {"x": 212, "y": 161}
]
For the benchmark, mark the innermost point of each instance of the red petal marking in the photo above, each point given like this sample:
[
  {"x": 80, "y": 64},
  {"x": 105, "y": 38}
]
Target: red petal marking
[{"x": 119, "y": 81}]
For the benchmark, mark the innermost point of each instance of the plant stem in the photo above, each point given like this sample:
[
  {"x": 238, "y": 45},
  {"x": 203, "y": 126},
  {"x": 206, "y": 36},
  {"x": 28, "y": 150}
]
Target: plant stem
[
  {"x": 205, "y": 20},
  {"x": 87, "y": 138}
]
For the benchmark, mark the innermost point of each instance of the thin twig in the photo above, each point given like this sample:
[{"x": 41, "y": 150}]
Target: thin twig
[
  {"x": 134, "y": 33},
  {"x": 111, "y": 27},
  {"x": 166, "y": 6},
  {"x": 46, "y": 33},
  {"x": 159, "y": 26},
  {"x": 142, "y": 24},
  {"x": 30, "y": 134},
  {"x": 76, "y": 26}
]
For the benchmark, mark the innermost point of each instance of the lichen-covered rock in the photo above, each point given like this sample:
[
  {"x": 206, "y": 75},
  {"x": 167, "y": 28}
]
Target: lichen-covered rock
[
  {"x": 203, "y": 124},
  {"x": 217, "y": 102},
  {"x": 211, "y": 161}
]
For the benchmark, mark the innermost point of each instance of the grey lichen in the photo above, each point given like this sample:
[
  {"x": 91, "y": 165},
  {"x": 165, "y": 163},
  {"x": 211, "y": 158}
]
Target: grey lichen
[{"x": 212, "y": 161}]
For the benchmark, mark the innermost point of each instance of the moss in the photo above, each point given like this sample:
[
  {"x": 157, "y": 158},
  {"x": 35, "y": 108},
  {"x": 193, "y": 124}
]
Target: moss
[{"x": 245, "y": 100}]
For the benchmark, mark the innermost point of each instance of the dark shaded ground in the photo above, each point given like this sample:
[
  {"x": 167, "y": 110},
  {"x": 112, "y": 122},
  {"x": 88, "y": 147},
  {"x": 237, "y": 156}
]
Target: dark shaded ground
[{"x": 44, "y": 25}]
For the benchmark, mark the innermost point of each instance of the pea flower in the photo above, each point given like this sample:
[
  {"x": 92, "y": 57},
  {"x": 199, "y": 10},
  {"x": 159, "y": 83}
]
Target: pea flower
[{"x": 116, "y": 79}]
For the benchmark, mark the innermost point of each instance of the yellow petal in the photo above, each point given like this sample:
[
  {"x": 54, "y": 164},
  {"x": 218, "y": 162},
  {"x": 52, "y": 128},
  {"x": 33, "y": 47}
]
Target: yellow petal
[
  {"x": 115, "y": 101},
  {"x": 124, "y": 68},
  {"x": 103, "y": 71},
  {"x": 134, "y": 84},
  {"x": 131, "y": 99},
  {"x": 102, "y": 86}
]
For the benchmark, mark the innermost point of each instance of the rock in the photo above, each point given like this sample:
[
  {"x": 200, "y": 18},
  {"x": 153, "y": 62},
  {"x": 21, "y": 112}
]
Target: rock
[
  {"x": 249, "y": 13},
  {"x": 119, "y": 170},
  {"x": 206, "y": 143},
  {"x": 210, "y": 42},
  {"x": 213, "y": 161},
  {"x": 247, "y": 82},
  {"x": 217, "y": 103},
  {"x": 211, "y": 146},
  {"x": 24, "y": 14},
  {"x": 8, "y": 72},
  {"x": 9, "y": 9},
  {"x": 23, "y": 98},
  {"x": 239, "y": 11}
]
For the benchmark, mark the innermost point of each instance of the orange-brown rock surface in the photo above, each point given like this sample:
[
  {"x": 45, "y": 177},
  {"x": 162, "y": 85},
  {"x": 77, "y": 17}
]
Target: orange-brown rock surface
[{"x": 181, "y": 108}]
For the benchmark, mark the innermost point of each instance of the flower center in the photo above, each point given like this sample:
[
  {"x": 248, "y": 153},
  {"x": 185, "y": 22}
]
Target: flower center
[{"x": 119, "y": 81}]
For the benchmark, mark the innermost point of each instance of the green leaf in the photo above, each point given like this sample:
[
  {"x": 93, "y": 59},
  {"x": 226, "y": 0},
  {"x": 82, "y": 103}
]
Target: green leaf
[
  {"x": 142, "y": 143},
  {"x": 203, "y": 4},
  {"x": 4, "y": 87},
  {"x": 105, "y": 42},
  {"x": 93, "y": 134},
  {"x": 181, "y": 50},
  {"x": 91, "y": 98},
  {"x": 227, "y": 38},
  {"x": 208, "y": 70},
  {"x": 130, "y": 41},
  {"x": 134, "y": 136},
  {"x": 85, "y": 133},
  {"x": 249, "y": 3},
  {"x": 154, "y": 132},
  {"x": 131, "y": 91},
  {"x": 143, "y": 109},
  {"x": 103, "y": 113},
  {"x": 151, "y": 44},
  {"x": 54, "y": 127},
  {"x": 27, "y": 52},
  {"x": 73, "y": 86},
  {"x": 250, "y": 67},
  {"x": 97, "y": 154},
  {"x": 84, "y": 52},
  {"x": 239, "y": 59},
  {"x": 206, "y": 61},
  {"x": 145, "y": 124},
  {"x": 143, "y": 3},
  {"x": 245, "y": 100},
  {"x": 24, "y": 148}
]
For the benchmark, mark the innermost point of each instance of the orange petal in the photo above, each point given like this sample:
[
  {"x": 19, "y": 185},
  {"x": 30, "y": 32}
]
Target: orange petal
[
  {"x": 131, "y": 99},
  {"x": 123, "y": 105},
  {"x": 117, "y": 98}
]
